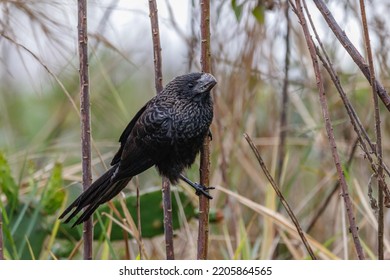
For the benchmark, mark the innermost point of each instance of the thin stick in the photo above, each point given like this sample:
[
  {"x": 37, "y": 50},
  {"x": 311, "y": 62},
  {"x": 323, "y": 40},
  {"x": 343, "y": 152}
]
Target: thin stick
[
  {"x": 355, "y": 121},
  {"x": 368, "y": 148},
  {"x": 281, "y": 197},
  {"x": 138, "y": 206},
  {"x": 85, "y": 118},
  {"x": 353, "y": 52},
  {"x": 204, "y": 170},
  {"x": 329, "y": 130},
  {"x": 284, "y": 107},
  {"x": 325, "y": 203},
  {"x": 156, "y": 45},
  {"x": 168, "y": 224},
  {"x": 377, "y": 132},
  {"x": 166, "y": 188},
  {"x": 51, "y": 73}
]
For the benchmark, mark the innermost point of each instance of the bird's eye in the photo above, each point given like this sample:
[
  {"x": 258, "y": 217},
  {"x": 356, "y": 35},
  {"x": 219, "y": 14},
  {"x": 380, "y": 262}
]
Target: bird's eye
[{"x": 190, "y": 85}]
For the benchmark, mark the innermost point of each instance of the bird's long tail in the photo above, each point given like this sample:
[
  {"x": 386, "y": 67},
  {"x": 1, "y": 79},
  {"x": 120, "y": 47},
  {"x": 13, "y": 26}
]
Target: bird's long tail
[{"x": 101, "y": 191}]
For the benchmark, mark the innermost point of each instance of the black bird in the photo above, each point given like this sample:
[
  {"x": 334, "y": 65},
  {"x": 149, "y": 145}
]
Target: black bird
[{"x": 167, "y": 132}]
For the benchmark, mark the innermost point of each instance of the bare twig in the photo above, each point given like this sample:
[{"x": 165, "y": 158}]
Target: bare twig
[
  {"x": 204, "y": 207},
  {"x": 166, "y": 189},
  {"x": 168, "y": 223},
  {"x": 56, "y": 78},
  {"x": 325, "y": 203},
  {"x": 103, "y": 24},
  {"x": 156, "y": 45},
  {"x": 281, "y": 197},
  {"x": 284, "y": 107},
  {"x": 377, "y": 132},
  {"x": 365, "y": 142},
  {"x": 85, "y": 118},
  {"x": 138, "y": 206},
  {"x": 51, "y": 73},
  {"x": 353, "y": 52},
  {"x": 329, "y": 129},
  {"x": 355, "y": 121},
  {"x": 193, "y": 40}
]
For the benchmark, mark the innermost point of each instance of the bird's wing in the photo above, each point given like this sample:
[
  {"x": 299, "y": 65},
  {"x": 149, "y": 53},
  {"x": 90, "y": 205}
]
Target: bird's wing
[
  {"x": 126, "y": 134},
  {"x": 149, "y": 141}
]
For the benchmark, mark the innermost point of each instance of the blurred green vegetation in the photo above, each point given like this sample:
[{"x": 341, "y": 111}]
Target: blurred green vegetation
[{"x": 40, "y": 169}]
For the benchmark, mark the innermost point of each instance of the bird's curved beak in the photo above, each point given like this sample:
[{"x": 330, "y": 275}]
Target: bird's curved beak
[{"x": 205, "y": 83}]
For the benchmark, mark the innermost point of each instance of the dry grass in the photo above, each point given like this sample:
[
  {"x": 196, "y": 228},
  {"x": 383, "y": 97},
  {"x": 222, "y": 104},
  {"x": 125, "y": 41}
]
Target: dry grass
[{"x": 39, "y": 126}]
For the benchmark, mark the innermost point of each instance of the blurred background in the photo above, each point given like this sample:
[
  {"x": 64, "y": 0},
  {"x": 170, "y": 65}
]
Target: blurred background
[{"x": 259, "y": 57}]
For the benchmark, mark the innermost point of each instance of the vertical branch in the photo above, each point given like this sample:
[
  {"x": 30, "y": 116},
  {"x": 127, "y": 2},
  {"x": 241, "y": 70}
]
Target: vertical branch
[
  {"x": 156, "y": 45},
  {"x": 284, "y": 107},
  {"x": 85, "y": 118},
  {"x": 168, "y": 224},
  {"x": 166, "y": 189},
  {"x": 1, "y": 236},
  {"x": 329, "y": 130},
  {"x": 138, "y": 206},
  {"x": 377, "y": 131},
  {"x": 193, "y": 40},
  {"x": 203, "y": 230}
]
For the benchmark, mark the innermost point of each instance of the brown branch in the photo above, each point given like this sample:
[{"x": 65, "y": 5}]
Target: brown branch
[
  {"x": 284, "y": 107},
  {"x": 156, "y": 45},
  {"x": 329, "y": 129},
  {"x": 377, "y": 132},
  {"x": 204, "y": 170},
  {"x": 353, "y": 52},
  {"x": 365, "y": 142},
  {"x": 139, "y": 227},
  {"x": 168, "y": 224},
  {"x": 355, "y": 121},
  {"x": 85, "y": 118},
  {"x": 325, "y": 203},
  {"x": 281, "y": 197},
  {"x": 166, "y": 188}
]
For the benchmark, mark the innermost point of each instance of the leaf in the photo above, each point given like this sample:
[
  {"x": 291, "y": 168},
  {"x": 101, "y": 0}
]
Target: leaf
[
  {"x": 54, "y": 194},
  {"x": 237, "y": 9},
  {"x": 259, "y": 13},
  {"x": 7, "y": 183},
  {"x": 30, "y": 234},
  {"x": 10, "y": 245}
]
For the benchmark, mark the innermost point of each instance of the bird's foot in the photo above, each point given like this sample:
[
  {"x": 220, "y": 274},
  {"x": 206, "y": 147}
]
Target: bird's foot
[
  {"x": 199, "y": 189},
  {"x": 202, "y": 190}
]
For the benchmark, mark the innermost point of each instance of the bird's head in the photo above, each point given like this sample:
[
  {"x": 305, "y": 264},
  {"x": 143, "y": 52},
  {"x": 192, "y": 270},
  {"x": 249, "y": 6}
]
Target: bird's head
[{"x": 191, "y": 85}]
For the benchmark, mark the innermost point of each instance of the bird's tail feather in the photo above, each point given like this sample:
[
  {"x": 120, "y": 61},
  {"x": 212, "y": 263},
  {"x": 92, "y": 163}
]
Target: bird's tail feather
[{"x": 101, "y": 191}]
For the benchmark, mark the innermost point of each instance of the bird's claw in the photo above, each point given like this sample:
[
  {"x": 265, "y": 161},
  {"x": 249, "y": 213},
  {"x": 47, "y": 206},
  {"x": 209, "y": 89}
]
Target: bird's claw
[
  {"x": 210, "y": 135},
  {"x": 200, "y": 189}
]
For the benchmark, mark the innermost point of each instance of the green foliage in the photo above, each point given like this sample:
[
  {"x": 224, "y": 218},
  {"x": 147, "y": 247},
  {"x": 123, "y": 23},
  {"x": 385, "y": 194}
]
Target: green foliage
[
  {"x": 7, "y": 183},
  {"x": 258, "y": 11},
  {"x": 39, "y": 126},
  {"x": 54, "y": 194},
  {"x": 237, "y": 8},
  {"x": 23, "y": 223},
  {"x": 28, "y": 233}
]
